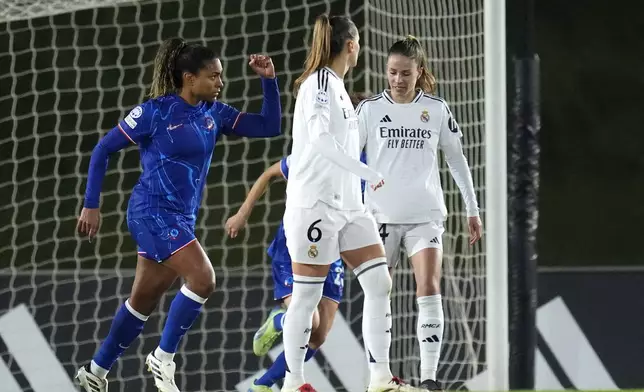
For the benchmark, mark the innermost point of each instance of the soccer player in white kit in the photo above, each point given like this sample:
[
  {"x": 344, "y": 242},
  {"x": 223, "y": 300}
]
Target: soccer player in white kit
[
  {"x": 324, "y": 214},
  {"x": 401, "y": 130}
]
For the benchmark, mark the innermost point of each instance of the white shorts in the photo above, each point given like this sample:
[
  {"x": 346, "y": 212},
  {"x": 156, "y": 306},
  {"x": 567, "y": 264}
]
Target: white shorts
[
  {"x": 318, "y": 234},
  {"x": 414, "y": 238}
]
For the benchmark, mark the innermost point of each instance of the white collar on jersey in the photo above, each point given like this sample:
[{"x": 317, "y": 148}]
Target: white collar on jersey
[
  {"x": 385, "y": 94},
  {"x": 332, "y": 72}
]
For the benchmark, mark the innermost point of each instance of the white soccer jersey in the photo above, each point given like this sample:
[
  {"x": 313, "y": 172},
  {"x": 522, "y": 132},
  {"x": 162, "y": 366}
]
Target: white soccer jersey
[
  {"x": 401, "y": 142},
  {"x": 326, "y": 145}
]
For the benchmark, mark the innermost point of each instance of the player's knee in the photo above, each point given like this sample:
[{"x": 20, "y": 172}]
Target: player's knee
[
  {"x": 306, "y": 297},
  {"x": 429, "y": 286},
  {"x": 144, "y": 298},
  {"x": 144, "y": 302},
  {"x": 203, "y": 284},
  {"x": 306, "y": 304},
  {"x": 374, "y": 278},
  {"x": 209, "y": 285}
]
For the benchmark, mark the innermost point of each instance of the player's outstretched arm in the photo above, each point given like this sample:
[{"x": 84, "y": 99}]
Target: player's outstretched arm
[
  {"x": 268, "y": 122},
  {"x": 237, "y": 222},
  {"x": 89, "y": 221}
]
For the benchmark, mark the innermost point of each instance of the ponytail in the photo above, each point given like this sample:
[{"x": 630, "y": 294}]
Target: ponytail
[
  {"x": 412, "y": 48},
  {"x": 163, "y": 79},
  {"x": 320, "y": 53},
  {"x": 330, "y": 35}
]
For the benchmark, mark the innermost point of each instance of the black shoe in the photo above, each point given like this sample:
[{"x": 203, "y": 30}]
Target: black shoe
[{"x": 430, "y": 385}]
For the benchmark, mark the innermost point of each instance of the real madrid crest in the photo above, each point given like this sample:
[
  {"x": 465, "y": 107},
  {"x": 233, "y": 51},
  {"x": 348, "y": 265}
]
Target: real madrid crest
[
  {"x": 313, "y": 251},
  {"x": 424, "y": 116}
]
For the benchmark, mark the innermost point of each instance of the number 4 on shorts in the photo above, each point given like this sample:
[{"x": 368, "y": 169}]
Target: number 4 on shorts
[{"x": 383, "y": 232}]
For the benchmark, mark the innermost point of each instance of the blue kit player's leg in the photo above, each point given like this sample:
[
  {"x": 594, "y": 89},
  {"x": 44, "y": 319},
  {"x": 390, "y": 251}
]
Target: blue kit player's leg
[
  {"x": 159, "y": 243},
  {"x": 132, "y": 315},
  {"x": 334, "y": 283},
  {"x": 271, "y": 330},
  {"x": 165, "y": 239}
]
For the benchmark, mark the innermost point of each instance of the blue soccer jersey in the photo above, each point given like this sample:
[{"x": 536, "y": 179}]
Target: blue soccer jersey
[
  {"x": 176, "y": 142},
  {"x": 281, "y": 263}
]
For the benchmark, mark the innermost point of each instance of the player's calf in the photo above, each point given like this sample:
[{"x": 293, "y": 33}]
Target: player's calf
[
  {"x": 318, "y": 337},
  {"x": 307, "y": 292},
  {"x": 376, "y": 283},
  {"x": 126, "y": 327},
  {"x": 193, "y": 265},
  {"x": 326, "y": 314},
  {"x": 430, "y": 324},
  {"x": 184, "y": 310}
]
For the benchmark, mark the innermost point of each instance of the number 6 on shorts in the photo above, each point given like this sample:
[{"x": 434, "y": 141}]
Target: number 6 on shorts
[{"x": 314, "y": 234}]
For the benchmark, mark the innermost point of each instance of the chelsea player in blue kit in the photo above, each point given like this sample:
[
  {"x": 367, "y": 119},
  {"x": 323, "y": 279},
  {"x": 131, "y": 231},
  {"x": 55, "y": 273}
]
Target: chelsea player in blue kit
[{"x": 176, "y": 132}]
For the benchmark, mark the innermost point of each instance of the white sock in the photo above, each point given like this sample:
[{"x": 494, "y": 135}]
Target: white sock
[
  {"x": 430, "y": 334},
  {"x": 307, "y": 292},
  {"x": 374, "y": 278},
  {"x": 97, "y": 370},
  {"x": 163, "y": 356}
]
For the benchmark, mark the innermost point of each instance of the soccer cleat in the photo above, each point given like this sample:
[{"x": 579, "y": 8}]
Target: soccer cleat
[
  {"x": 395, "y": 385},
  {"x": 163, "y": 373},
  {"x": 266, "y": 335},
  {"x": 90, "y": 382},
  {"x": 303, "y": 388},
  {"x": 259, "y": 388},
  {"x": 430, "y": 385}
]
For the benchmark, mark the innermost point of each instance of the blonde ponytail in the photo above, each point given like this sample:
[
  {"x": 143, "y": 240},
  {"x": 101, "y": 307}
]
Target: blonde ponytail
[{"x": 320, "y": 53}]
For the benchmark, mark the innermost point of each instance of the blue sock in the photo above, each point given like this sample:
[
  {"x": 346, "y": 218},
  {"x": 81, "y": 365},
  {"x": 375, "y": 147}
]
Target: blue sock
[
  {"x": 184, "y": 310},
  {"x": 278, "y": 323},
  {"x": 277, "y": 371},
  {"x": 126, "y": 326}
]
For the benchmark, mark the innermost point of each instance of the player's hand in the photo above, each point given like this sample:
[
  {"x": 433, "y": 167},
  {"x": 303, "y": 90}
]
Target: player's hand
[
  {"x": 475, "y": 228},
  {"x": 262, "y": 65},
  {"x": 377, "y": 185},
  {"x": 89, "y": 222},
  {"x": 234, "y": 225}
]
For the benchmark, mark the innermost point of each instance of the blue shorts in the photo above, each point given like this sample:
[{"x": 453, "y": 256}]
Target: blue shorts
[
  {"x": 283, "y": 280},
  {"x": 159, "y": 237}
]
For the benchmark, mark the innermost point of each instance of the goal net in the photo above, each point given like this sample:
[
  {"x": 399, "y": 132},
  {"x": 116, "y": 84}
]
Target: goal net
[{"x": 72, "y": 69}]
